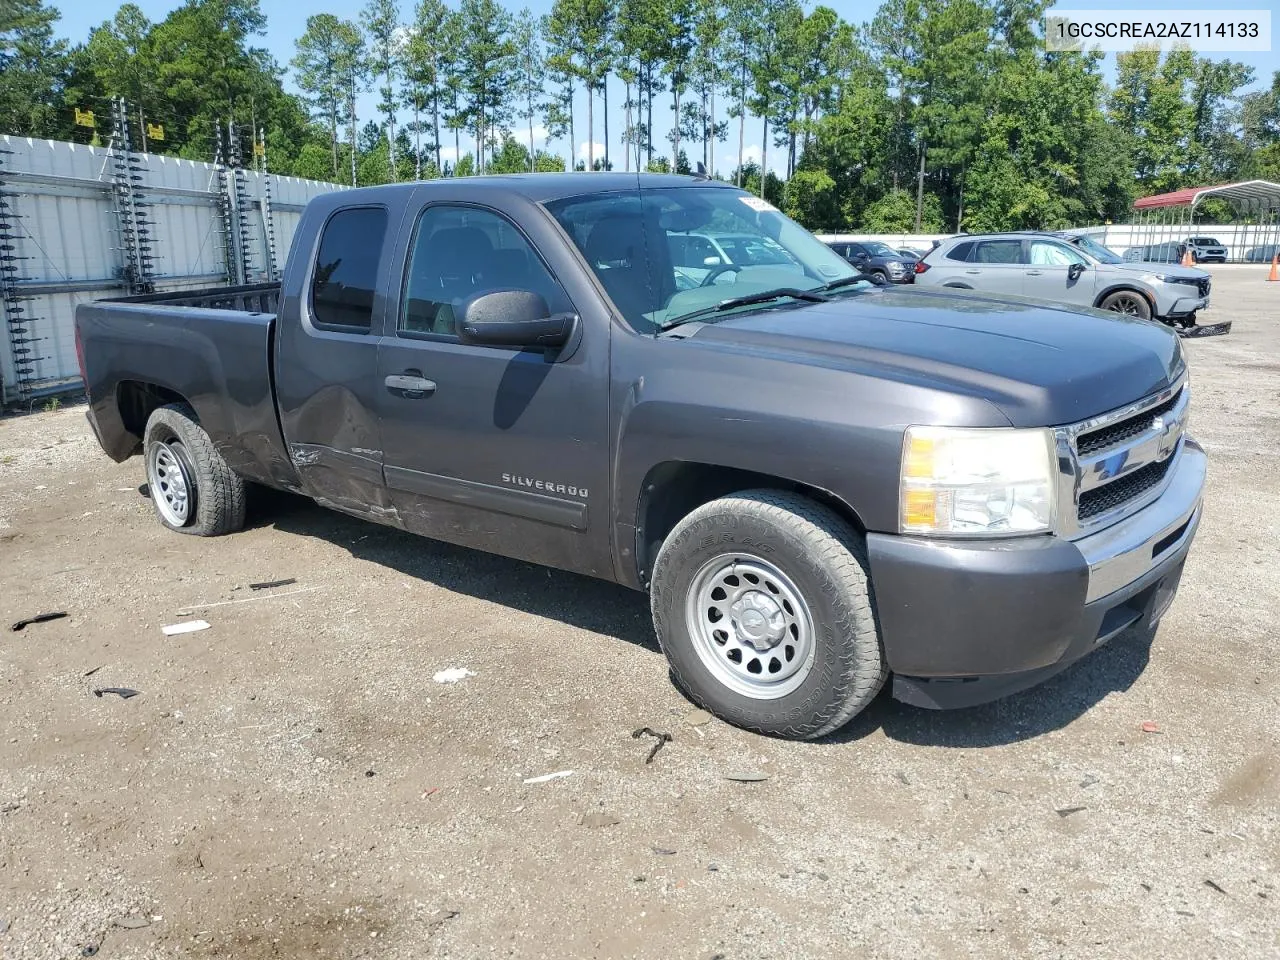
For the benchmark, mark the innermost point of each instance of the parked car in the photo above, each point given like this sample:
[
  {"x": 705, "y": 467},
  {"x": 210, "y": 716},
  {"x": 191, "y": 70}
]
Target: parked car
[
  {"x": 1207, "y": 250},
  {"x": 820, "y": 482},
  {"x": 1079, "y": 271},
  {"x": 908, "y": 254},
  {"x": 1170, "y": 251},
  {"x": 876, "y": 259}
]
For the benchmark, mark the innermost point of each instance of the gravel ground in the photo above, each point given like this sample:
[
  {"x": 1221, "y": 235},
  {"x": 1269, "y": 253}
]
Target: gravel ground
[{"x": 292, "y": 783}]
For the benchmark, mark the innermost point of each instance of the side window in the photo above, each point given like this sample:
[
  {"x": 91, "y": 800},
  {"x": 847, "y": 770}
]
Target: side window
[
  {"x": 962, "y": 252},
  {"x": 346, "y": 272},
  {"x": 1046, "y": 253},
  {"x": 459, "y": 252},
  {"x": 999, "y": 251}
]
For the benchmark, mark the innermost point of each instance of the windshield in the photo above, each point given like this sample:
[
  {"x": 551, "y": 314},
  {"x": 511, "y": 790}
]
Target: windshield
[
  {"x": 1205, "y": 242},
  {"x": 662, "y": 254},
  {"x": 1098, "y": 251},
  {"x": 877, "y": 249}
]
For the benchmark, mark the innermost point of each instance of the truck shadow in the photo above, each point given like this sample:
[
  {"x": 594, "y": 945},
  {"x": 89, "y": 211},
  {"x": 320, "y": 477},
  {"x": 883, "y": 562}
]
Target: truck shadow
[
  {"x": 1052, "y": 705},
  {"x": 615, "y": 611},
  {"x": 584, "y": 602}
]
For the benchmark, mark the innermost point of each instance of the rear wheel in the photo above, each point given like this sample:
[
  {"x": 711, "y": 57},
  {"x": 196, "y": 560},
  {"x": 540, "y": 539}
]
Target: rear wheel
[
  {"x": 762, "y": 604},
  {"x": 191, "y": 486},
  {"x": 1129, "y": 302}
]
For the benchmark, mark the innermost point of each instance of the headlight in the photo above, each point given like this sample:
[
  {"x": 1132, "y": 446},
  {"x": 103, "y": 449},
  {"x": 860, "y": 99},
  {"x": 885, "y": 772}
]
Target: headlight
[{"x": 976, "y": 482}]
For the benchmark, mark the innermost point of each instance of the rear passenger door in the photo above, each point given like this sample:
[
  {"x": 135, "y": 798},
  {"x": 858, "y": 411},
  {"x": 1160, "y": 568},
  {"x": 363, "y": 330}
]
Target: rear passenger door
[
  {"x": 327, "y": 345},
  {"x": 494, "y": 447},
  {"x": 996, "y": 266}
]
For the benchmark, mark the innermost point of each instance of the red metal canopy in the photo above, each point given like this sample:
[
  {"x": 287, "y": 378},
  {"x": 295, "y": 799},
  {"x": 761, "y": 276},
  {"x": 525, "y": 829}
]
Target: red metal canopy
[{"x": 1250, "y": 192}]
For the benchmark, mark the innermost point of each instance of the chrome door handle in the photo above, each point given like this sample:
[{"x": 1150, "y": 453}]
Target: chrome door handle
[
  {"x": 413, "y": 388},
  {"x": 973, "y": 271},
  {"x": 1034, "y": 273}
]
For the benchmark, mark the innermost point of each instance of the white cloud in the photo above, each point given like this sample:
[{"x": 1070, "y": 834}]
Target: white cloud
[
  {"x": 539, "y": 133},
  {"x": 597, "y": 150},
  {"x": 448, "y": 154}
]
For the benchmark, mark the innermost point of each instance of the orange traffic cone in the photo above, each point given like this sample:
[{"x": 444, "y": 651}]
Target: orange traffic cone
[
  {"x": 1187, "y": 259},
  {"x": 1273, "y": 277}
]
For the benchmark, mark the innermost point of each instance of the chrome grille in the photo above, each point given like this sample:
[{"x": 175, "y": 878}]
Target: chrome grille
[{"x": 1114, "y": 465}]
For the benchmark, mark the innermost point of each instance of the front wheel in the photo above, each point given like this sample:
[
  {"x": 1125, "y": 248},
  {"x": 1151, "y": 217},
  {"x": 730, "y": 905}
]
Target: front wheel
[
  {"x": 1129, "y": 302},
  {"x": 763, "y": 606},
  {"x": 191, "y": 486}
]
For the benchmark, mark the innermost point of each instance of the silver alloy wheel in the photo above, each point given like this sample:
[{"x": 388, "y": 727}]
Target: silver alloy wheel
[
  {"x": 170, "y": 484},
  {"x": 751, "y": 626},
  {"x": 1128, "y": 304}
]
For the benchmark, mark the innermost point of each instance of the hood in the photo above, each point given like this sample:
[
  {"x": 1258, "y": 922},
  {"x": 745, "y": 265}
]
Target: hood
[
  {"x": 1038, "y": 364},
  {"x": 1167, "y": 269}
]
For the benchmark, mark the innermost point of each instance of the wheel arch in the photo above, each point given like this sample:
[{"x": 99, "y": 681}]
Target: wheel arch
[
  {"x": 136, "y": 400},
  {"x": 1125, "y": 287},
  {"x": 673, "y": 489}
]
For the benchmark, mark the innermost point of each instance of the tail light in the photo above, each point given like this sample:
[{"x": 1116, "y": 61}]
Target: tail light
[{"x": 921, "y": 266}]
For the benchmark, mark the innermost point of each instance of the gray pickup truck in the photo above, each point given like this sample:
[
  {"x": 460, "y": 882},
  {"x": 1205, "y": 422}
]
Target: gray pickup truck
[{"x": 820, "y": 482}]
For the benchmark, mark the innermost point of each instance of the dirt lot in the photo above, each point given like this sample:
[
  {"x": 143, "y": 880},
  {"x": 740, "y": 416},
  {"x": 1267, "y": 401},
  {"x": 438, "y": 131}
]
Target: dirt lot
[{"x": 292, "y": 783}]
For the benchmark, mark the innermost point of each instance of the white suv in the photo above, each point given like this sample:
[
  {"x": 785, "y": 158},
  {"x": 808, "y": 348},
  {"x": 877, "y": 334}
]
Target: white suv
[{"x": 1066, "y": 268}]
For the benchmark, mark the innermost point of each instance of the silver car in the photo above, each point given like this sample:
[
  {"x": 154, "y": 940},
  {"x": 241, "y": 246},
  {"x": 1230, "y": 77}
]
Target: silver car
[{"x": 1066, "y": 268}]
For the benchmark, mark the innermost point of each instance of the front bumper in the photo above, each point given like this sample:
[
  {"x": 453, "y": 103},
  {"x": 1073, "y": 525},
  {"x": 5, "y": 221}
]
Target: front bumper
[{"x": 966, "y": 622}]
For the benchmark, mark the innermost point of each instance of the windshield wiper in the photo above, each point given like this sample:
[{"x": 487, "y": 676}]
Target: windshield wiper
[
  {"x": 848, "y": 281},
  {"x": 765, "y": 296}
]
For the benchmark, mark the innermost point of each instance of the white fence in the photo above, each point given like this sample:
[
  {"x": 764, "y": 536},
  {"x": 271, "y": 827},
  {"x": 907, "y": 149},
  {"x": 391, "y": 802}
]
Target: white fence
[{"x": 65, "y": 234}]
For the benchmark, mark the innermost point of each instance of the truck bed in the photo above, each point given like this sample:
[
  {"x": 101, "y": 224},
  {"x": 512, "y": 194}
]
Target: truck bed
[
  {"x": 211, "y": 349},
  {"x": 252, "y": 298}
]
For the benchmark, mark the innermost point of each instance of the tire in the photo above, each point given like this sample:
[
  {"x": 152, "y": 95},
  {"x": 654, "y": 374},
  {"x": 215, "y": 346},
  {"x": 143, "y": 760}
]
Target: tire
[
  {"x": 811, "y": 597},
  {"x": 1129, "y": 302},
  {"x": 881, "y": 275},
  {"x": 192, "y": 488}
]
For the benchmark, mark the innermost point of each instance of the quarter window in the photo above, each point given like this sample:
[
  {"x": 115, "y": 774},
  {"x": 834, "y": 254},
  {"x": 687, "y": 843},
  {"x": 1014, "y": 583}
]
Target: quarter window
[
  {"x": 346, "y": 271},
  {"x": 459, "y": 252}
]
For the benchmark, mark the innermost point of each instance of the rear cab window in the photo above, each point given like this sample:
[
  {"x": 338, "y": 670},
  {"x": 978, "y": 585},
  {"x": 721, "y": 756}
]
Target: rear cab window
[
  {"x": 345, "y": 276},
  {"x": 961, "y": 252},
  {"x": 998, "y": 251}
]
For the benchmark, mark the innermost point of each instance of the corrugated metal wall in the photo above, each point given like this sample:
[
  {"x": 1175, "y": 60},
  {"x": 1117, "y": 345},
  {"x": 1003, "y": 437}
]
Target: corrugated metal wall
[{"x": 65, "y": 234}]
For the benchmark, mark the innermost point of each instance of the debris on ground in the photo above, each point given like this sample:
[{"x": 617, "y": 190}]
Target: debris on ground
[
  {"x": 190, "y": 626},
  {"x": 903, "y": 779},
  {"x": 89, "y": 951},
  {"x": 440, "y": 916},
  {"x": 452, "y": 675},
  {"x": 1088, "y": 781},
  {"x": 1065, "y": 812},
  {"x": 193, "y": 607},
  {"x": 663, "y": 851},
  {"x": 697, "y": 718},
  {"x": 39, "y": 618},
  {"x": 272, "y": 584},
  {"x": 4, "y": 927},
  {"x": 1150, "y": 726},
  {"x": 132, "y": 923},
  {"x": 123, "y": 692},
  {"x": 746, "y": 776},
  {"x": 662, "y": 738},
  {"x": 429, "y": 792},
  {"x": 90, "y": 673},
  {"x": 1213, "y": 886},
  {"x": 550, "y": 776},
  {"x": 597, "y": 820}
]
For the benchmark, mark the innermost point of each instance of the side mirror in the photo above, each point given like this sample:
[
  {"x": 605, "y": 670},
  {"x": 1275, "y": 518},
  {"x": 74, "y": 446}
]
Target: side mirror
[
  {"x": 711, "y": 261},
  {"x": 1074, "y": 271},
  {"x": 514, "y": 318}
]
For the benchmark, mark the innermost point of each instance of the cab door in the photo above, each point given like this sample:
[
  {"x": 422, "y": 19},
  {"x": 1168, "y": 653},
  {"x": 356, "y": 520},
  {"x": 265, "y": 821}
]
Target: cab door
[
  {"x": 497, "y": 448},
  {"x": 326, "y": 362},
  {"x": 996, "y": 266}
]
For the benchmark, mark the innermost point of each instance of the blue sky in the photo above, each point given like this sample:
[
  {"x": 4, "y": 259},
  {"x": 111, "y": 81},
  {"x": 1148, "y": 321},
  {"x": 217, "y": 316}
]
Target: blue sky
[{"x": 286, "y": 20}]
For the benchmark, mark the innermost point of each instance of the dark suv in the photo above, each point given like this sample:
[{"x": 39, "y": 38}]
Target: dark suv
[{"x": 877, "y": 259}]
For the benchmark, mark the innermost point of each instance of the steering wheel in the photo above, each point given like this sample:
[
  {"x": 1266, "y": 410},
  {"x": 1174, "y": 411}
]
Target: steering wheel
[{"x": 717, "y": 271}]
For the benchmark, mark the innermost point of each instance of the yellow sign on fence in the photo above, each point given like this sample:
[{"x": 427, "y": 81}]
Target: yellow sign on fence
[
  {"x": 259, "y": 149},
  {"x": 155, "y": 131},
  {"x": 84, "y": 118}
]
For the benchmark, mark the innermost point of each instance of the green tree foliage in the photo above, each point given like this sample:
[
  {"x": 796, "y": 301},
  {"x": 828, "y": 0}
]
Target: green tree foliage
[
  {"x": 382, "y": 24},
  {"x": 950, "y": 112},
  {"x": 32, "y": 66},
  {"x": 487, "y": 66}
]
